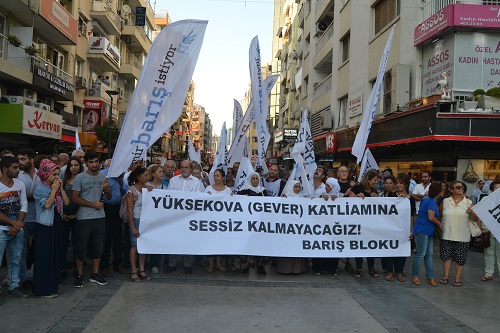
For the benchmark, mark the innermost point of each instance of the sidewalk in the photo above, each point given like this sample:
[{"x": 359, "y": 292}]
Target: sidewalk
[{"x": 232, "y": 302}]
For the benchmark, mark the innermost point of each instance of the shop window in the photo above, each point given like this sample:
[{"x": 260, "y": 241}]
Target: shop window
[
  {"x": 491, "y": 170},
  {"x": 385, "y": 12}
]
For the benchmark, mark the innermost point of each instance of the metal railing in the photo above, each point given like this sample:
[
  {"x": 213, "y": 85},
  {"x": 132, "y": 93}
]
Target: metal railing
[
  {"x": 325, "y": 37},
  {"x": 53, "y": 69},
  {"x": 130, "y": 21},
  {"x": 106, "y": 6},
  {"x": 431, "y": 7},
  {"x": 132, "y": 60},
  {"x": 323, "y": 87}
]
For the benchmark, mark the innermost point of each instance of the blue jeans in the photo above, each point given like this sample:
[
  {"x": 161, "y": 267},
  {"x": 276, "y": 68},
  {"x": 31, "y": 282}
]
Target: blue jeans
[
  {"x": 15, "y": 246},
  {"x": 425, "y": 251},
  {"x": 29, "y": 230}
]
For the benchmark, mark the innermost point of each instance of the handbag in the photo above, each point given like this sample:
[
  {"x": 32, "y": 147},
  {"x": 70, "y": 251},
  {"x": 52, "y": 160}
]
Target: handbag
[
  {"x": 482, "y": 242},
  {"x": 474, "y": 229},
  {"x": 470, "y": 176}
]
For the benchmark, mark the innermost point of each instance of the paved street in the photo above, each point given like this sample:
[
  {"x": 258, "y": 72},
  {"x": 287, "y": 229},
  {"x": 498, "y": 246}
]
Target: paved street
[{"x": 232, "y": 302}]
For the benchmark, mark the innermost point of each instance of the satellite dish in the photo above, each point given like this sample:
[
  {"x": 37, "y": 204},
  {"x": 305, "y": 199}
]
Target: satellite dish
[{"x": 126, "y": 10}]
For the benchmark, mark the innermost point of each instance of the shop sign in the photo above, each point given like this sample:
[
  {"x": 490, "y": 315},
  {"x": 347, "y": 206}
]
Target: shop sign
[
  {"x": 49, "y": 81},
  {"x": 319, "y": 145},
  {"x": 70, "y": 123},
  {"x": 332, "y": 142},
  {"x": 290, "y": 134},
  {"x": 457, "y": 15},
  {"x": 41, "y": 123},
  {"x": 278, "y": 135},
  {"x": 102, "y": 45},
  {"x": 60, "y": 18},
  {"x": 355, "y": 106},
  {"x": 91, "y": 115},
  {"x": 140, "y": 16}
]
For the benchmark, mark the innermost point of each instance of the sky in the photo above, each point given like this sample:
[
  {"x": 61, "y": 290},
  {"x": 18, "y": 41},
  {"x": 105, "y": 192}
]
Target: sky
[{"x": 222, "y": 73}]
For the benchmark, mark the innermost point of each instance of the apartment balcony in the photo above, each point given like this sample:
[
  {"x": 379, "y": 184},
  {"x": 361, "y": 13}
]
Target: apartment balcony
[
  {"x": 104, "y": 56},
  {"x": 322, "y": 94},
  {"x": 130, "y": 65},
  {"x": 104, "y": 12},
  {"x": 301, "y": 17},
  {"x": 324, "y": 51},
  {"x": 143, "y": 3},
  {"x": 124, "y": 101},
  {"x": 135, "y": 36},
  {"x": 15, "y": 64}
]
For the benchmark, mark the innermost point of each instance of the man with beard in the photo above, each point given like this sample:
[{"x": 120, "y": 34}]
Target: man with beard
[
  {"x": 318, "y": 183},
  {"x": 273, "y": 184},
  {"x": 90, "y": 225},
  {"x": 27, "y": 175},
  {"x": 13, "y": 208},
  {"x": 420, "y": 190}
]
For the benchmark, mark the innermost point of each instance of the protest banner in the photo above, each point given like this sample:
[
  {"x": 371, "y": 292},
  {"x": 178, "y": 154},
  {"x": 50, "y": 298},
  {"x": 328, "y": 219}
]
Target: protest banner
[
  {"x": 488, "y": 211},
  {"x": 204, "y": 224}
]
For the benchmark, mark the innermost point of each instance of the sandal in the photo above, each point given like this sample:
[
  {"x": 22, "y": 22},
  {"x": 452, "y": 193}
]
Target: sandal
[
  {"x": 443, "y": 281},
  {"x": 136, "y": 278},
  {"x": 400, "y": 277},
  {"x": 457, "y": 284},
  {"x": 373, "y": 272},
  {"x": 389, "y": 277},
  {"x": 357, "y": 273},
  {"x": 210, "y": 269},
  {"x": 220, "y": 268},
  {"x": 487, "y": 278},
  {"x": 143, "y": 276}
]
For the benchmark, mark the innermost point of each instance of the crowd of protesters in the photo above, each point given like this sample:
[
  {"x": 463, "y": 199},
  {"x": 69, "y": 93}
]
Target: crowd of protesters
[{"x": 62, "y": 214}]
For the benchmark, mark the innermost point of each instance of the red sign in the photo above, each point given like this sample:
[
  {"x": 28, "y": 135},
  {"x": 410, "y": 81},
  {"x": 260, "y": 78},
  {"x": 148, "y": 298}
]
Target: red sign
[
  {"x": 332, "y": 142},
  {"x": 92, "y": 105},
  {"x": 60, "y": 18}
]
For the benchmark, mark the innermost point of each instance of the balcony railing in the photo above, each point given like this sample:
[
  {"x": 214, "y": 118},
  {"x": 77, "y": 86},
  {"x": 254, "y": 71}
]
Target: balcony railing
[
  {"x": 132, "y": 60},
  {"x": 107, "y": 6},
  {"x": 53, "y": 69},
  {"x": 323, "y": 87},
  {"x": 431, "y": 7},
  {"x": 130, "y": 21},
  {"x": 327, "y": 34}
]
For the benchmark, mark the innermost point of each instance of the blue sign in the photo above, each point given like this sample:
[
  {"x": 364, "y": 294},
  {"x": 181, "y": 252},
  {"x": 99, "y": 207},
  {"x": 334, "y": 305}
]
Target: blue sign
[{"x": 140, "y": 16}]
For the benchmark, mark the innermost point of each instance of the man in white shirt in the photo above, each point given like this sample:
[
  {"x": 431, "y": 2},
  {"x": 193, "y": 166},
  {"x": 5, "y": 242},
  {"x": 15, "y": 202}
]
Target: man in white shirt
[
  {"x": 188, "y": 183},
  {"x": 420, "y": 190},
  {"x": 13, "y": 208},
  {"x": 318, "y": 185}
]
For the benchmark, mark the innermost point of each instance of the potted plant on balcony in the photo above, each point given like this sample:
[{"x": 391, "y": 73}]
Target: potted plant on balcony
[
  {"x": 490, "y": 100},
  {"x": 14, "y": 40},
  {"x": 32, "y": 50},
  {"x": 479, "y": 93}
]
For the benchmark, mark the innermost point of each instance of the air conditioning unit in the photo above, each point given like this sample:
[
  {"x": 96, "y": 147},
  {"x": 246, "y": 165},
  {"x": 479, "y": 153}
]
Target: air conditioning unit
[
  {"x": 295, "y": 56},
  {"x": 43, "y": 106},
  {"x": 396, "y": 88},
  {"x": 326, "y": 120},
  {"x": 93, "y": 92},
  {"x": 14, "y": 99},
  {"x": 81, "y": 82},
  {"x": 121, "y": 93},
  {"x": 321, "y": 27}
]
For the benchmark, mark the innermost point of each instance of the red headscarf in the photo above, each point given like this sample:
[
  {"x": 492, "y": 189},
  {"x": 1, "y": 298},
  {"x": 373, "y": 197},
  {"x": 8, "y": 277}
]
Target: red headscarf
[{"x": 44, "y": 171}]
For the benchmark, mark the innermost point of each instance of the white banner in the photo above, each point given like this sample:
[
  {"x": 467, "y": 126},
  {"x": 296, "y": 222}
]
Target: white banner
[
  {"x": 220, "y": 160},
  {"x": 368, "y": 163},
  {"x": 243, "y": 175},
  {"x": 234, "y": 154},
  {"x": 304, "y": 146},
  {"x": 299, "y": 173},
  {"x": 261, "y": 103},
  {"x": 488, "y": 211},
  {"x": 206, "y": 224},
  {"x": 358, "y": 147},
  {"x": 160, "y": 93},
  {"x": 78, "y": 145},
  {"x": 237, "y": 117},
  {"x": 193, "y": 155}
]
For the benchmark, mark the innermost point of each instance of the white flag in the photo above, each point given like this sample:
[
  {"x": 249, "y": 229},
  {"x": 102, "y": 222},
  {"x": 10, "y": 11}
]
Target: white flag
[
  {"x": 160, "y": 93},
  {"x": 359, "y": 144},
  {"x": 299, "y": 173},
  {"x": 239, "y": 136},
  {"x": 220, "y": 160},
  {"x": 304, "y": 147},
  {"x": 243, "y": 175},
  {"x": 488, "y": 211},
  {"x": 261, "y": 103},
  {"x": 368, "y": 163},
  {"x": 237, "y": 117},
  {"x": 78, "y": 145},
  {"x": 193, "y": 155}
]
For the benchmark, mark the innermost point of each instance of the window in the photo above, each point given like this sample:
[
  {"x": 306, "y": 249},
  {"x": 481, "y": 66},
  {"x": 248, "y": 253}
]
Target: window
[
  {"x": 342, "y": 111},
  {"x": 345, "y": 47},
  {"x": 255, "y": 152},
  {"x": 78, "y": 67},
  {"x": 385, "y": 12},
  {"x": 254, "y": 139},
  {"x": 2, "y": 31}
]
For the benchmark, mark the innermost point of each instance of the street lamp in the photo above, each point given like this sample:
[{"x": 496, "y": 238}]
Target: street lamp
[{"x": 111, "y": 93}]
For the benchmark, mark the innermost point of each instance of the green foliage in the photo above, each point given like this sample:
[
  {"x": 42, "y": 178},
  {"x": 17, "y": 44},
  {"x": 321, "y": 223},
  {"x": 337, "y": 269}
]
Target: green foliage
[
  {"x": 493, "y": 92},
  {"x": 479, "y": 92},
  {"x": 14, "y": 40},
  {"x": 103, "y": 132}
]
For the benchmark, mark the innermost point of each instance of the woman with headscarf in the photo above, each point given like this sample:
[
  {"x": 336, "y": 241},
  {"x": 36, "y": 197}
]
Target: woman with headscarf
[
  {"x": 252, "y": 188},
  {"x": 292, "y": 265},
  {"x": 49, "y": 200},
  {"x": 474, "y": 196}
]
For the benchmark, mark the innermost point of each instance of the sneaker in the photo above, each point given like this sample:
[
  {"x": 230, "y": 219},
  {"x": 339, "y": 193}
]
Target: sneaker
[
  {"x": 155, "y": 270},
  {"x": 78, "y": 281},
  {"x": 17, "y": 292},
  {"x": 97, "y": 278}
]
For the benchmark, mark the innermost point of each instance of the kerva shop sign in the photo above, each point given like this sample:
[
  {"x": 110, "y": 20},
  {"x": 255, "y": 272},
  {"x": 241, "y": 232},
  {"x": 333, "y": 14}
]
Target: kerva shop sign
[{"x": 41, "y": 123}]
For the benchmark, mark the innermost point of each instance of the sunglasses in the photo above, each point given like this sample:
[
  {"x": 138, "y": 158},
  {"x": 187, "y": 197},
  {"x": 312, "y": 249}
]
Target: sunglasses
[{"x": 458, "y": 187}]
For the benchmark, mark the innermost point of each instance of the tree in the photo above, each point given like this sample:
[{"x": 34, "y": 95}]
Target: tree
[{"x": 104, "y": 135}]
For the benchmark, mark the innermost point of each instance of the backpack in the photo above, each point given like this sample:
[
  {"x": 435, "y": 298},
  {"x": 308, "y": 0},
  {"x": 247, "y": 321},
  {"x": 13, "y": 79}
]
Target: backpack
[{"x": 124, "y": 207}]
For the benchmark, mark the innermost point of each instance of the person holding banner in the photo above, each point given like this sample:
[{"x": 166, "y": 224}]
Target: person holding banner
[
  {"x": 217, "y": 187},
  {"x": 365, "y": 189},
  {"x": 493, "y": 250},
  {"x": 455, "y": 213},
  {"x": 137, "y": 181},
  {"x": 423, "y": 233},
  {"x": 389, "y": 191},
  {"x": 273, "y": 183},
  {"x": 156, "y": 178},
  {"x": 292, "y": 265},
  {"x": 244, "y": 263}
]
